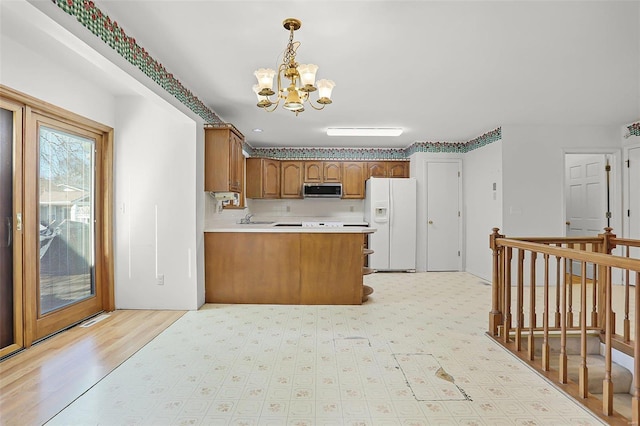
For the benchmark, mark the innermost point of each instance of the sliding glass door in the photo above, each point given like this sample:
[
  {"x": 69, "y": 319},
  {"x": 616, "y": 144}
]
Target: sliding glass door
[
  {"x": 63, "y": 223},
  {"x": 56, "y": 262}
]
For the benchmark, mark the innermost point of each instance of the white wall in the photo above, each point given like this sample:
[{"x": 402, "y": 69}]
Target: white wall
[
  {"x": 482, "y": 211},
  {"x": 155, "y": 208},
  {"x": 533, "y": 174},
  {"x": 38, "y": 74}
]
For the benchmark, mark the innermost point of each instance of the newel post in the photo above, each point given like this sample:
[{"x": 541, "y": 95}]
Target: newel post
[
  {"x": 495, "y": 316},
  {"x": 607, "y": 244},
  {"x": 607, "y": 247}
]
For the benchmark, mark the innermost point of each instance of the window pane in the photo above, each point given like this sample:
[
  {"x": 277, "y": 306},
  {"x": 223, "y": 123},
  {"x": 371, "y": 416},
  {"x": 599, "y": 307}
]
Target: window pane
[{"x": 66, "y": 194}]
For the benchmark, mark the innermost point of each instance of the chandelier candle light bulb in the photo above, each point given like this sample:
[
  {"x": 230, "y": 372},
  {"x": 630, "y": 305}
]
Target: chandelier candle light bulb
[
  {"x": 302, "y": 79},
  {"x": 308, "y": 76},
  {"x": 265, "y": 81},
  {"x": 324, "y": 91}
]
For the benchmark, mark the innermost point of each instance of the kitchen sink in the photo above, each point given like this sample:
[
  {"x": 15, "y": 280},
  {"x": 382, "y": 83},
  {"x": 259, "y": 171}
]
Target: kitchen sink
[{"x": 257, "y": 222}]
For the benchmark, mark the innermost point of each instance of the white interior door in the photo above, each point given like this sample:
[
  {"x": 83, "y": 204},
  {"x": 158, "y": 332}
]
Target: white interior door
[
  {"x": 586, "y": 194},
  {"x": 443, "y": 216},
  {"x": 633, "y": 193}
]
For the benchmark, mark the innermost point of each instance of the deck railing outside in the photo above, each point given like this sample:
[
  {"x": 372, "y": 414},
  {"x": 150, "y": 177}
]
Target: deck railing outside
[{"x": 547, "y": 288}]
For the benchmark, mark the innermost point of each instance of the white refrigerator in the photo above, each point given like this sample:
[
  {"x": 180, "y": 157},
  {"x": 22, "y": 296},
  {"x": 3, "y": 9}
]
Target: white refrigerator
[{"x": 390, "y": 207}]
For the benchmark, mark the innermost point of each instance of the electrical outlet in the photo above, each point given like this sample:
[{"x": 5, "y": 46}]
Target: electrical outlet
[{"x": 160, "y": 279}]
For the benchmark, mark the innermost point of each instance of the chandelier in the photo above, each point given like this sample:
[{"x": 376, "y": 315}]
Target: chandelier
[{"x": 301, "y": 80}]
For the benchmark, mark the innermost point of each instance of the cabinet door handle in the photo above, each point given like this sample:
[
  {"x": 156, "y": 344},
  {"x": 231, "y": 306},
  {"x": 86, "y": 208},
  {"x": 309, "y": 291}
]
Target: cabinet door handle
[{"x": 430, "y": 222}]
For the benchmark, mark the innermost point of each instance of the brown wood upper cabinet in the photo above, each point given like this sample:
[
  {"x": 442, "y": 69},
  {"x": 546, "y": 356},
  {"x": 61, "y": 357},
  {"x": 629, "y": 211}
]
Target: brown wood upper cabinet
[
  {"x": 353, "y": 179},
  {"x": 398, "y": 169},
  {"x": 322, "y": 171},
  {"x": 376, "y": 169},
  {"x": 389, "y": 169},
  {"x": 224, "y": 162},
  {"x": 291, "y": 177},
  {"x": 263, "y": 178}
]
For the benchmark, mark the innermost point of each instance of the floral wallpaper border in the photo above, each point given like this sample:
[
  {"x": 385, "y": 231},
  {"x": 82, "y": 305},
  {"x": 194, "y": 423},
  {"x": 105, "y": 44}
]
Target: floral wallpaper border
[
  {"x": 330, "y": 153},
  {"x": 377, "y": 153},
  {"x": 99, "y": 24},
  {"x": 114, "y": 36}
]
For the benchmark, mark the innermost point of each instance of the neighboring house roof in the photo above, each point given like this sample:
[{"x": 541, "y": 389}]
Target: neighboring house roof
[{"x": 61, "y": 198}]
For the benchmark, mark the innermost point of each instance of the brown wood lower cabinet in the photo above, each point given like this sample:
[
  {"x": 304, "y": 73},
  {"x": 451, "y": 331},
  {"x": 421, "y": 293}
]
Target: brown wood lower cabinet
[{"x": 283, "y": 268}]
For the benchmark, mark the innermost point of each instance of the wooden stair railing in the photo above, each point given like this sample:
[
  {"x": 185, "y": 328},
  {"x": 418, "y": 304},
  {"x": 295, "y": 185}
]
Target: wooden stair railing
[{"x": 546, "y": 270}]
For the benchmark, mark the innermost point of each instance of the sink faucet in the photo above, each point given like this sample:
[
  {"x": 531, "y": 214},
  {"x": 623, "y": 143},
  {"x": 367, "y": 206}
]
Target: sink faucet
[{"x": 246, "y": 219}]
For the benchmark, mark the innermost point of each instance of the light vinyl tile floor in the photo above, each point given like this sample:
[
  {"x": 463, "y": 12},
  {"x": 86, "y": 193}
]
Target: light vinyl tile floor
[{"x": 415, "y": 354}]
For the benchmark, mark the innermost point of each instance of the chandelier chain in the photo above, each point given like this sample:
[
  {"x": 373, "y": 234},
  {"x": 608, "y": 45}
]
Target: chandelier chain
[{"x": 290, "y": 52}]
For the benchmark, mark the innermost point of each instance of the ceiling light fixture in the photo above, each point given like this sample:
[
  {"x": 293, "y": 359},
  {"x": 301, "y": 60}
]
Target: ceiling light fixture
[
  {"x": 364, "y": 131},
  {"x": 302, "y": 80}
]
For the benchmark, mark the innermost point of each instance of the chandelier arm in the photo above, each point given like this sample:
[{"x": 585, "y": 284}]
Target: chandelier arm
[
  {"x": 275, "y": 105},
  {"x": 280, "y": 71},
  {"x": 315, "y": 107}
]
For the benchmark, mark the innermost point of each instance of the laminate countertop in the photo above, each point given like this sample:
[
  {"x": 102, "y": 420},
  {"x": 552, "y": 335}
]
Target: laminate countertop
[{"x": 325, "y": 227}]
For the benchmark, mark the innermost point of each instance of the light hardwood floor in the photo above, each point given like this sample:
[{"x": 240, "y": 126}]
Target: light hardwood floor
[{"x": 39, "y": 382}]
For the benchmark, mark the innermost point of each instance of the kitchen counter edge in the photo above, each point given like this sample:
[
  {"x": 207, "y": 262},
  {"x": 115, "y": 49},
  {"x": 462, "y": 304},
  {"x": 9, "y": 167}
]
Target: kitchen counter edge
[{"x": 271, "y": 228}]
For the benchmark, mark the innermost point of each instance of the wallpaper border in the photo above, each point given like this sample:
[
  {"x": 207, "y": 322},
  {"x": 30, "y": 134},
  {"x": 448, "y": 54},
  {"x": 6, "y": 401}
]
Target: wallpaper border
[{"x": 377, "y": 153}]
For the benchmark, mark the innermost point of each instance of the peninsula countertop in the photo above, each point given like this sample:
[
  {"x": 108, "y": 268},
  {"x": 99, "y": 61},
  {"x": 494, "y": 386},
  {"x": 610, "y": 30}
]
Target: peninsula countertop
[{"x": 325, "y": 227}]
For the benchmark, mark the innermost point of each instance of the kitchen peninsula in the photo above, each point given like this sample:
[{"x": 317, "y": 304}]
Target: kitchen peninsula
[{"x": 286, "y": 263}]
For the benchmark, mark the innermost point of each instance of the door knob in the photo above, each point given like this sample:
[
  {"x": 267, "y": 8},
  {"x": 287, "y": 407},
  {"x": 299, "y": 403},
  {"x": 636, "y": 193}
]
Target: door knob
[
  {"x": 430, "y": 222},
  {"x": 567, "y": 223}
]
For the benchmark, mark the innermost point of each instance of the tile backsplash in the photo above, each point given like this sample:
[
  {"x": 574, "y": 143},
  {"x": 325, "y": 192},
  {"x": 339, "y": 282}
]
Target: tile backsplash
[
  {"x": 325, "y": 208},
  {"x": 274, "y": 209}
]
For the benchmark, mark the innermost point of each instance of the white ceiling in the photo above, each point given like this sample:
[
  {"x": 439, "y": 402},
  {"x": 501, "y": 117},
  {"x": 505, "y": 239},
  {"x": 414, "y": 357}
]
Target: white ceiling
[{"x": 444, "y": 71}]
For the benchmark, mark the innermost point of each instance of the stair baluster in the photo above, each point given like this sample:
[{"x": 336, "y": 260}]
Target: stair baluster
[
  {"x": 583, "y": 381},
  {"x": 545, "y": 316},
  {"x": 532, "y": 306}
]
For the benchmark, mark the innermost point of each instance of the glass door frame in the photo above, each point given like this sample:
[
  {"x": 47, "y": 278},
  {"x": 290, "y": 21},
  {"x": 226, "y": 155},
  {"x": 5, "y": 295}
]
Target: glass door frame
[
  {"x": 17, "y": 234},
  {"x": 44, "y": 324}
]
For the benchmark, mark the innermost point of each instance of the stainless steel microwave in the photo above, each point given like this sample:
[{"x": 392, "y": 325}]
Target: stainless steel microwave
[{"x": 322, "y": 190}]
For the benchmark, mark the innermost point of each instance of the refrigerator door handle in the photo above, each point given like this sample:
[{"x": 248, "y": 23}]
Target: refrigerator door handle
[{"x": 391, "y": 208}]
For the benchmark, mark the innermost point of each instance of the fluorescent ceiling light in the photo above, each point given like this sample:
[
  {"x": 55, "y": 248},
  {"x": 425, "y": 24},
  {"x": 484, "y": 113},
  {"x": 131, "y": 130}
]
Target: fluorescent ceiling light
[{"x": 364, "y": 131}]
